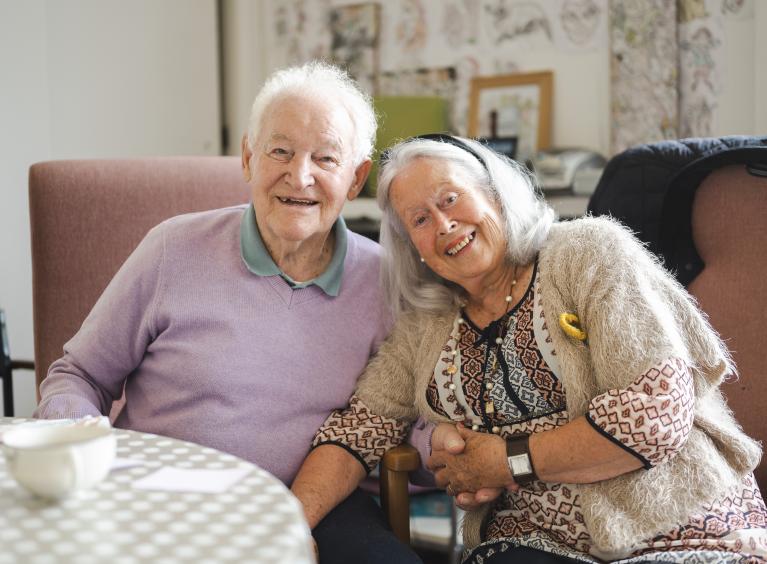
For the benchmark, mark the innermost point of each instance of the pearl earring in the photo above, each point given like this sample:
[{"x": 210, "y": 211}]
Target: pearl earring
[{"x": 423, "y": 259}]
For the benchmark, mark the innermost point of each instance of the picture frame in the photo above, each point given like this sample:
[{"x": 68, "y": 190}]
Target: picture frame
[{"x": 513, "y": 105}]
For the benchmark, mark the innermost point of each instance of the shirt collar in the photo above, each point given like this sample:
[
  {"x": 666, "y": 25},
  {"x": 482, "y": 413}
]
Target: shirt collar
[{"x": 260, "y": 262}]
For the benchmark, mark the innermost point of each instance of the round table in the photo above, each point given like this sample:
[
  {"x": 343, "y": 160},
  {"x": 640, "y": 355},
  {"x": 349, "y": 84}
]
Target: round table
[{"x": 256, "y": 520}]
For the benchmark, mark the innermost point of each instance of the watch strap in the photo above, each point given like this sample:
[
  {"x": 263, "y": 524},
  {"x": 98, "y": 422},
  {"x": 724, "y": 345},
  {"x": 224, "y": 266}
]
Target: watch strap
[{"x": 519, "y": 459}]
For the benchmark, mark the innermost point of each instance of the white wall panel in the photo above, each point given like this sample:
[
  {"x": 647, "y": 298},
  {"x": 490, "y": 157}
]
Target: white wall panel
[{"x": 90, "y": 79}]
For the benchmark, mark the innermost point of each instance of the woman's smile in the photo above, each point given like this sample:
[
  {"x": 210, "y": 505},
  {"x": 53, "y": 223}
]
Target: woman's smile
[
  {"x": 461, "y": 244},
  {"x": 452, "y": 224}
]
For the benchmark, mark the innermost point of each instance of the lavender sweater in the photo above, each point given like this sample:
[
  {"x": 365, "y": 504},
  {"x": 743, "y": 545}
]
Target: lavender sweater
[{"x": 209, "y": 352}]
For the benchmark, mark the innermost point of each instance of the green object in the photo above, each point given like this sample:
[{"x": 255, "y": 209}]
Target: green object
[{"x": 400, "y": 117}]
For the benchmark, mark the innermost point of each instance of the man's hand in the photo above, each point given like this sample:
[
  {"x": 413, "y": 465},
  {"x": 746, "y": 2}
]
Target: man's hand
[{"x": 448, "y": 440}]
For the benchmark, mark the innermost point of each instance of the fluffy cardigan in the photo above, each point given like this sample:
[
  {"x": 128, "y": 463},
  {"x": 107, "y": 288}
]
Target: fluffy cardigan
[{"x": 635, "y": 315}]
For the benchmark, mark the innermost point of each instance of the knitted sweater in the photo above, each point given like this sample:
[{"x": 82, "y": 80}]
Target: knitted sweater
[
  {"x": 211, "y": 353},
  {"x": 634, "y": 314}
]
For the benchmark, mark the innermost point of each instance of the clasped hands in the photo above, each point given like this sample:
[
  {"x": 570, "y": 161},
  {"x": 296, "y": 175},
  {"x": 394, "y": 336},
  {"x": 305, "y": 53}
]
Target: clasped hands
[{"x": 469, "y": 465}]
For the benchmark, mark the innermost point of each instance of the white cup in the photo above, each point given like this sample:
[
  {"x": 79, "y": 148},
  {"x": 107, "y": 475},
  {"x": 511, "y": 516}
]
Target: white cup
[{"x": 54, "y": 461}]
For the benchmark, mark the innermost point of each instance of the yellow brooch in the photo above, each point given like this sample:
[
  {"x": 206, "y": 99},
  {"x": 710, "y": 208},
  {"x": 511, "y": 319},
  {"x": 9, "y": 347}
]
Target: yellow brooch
[{"x": 570, "y": 324}]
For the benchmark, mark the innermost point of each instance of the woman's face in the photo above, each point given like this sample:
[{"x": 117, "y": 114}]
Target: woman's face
[
  {"x": 303, "y": 169},
  {"x": 454, "y": 226}
]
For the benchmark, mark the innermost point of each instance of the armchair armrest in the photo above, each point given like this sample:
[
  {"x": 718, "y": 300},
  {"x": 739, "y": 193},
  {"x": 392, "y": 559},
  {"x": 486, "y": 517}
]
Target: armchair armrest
[
  {"x": 395, "y": 466},
  {"x": 7, "y": 366}
]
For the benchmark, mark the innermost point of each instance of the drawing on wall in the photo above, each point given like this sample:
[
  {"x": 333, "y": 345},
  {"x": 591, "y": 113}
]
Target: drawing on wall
[
  {"x": 283, "y": 29},
  {"x": 643, "y": 72},
  {"x": 413, "y": 35},
  {"x": 580, "y": 20},
  {"x": 460, "y": 22},
  {"x": 419, "y": 82},
  {"x": 737, "y": 9},
  {"x": 567, "y": 24},
  {"x": 404, "y": 35},
  {"x": 298, "y": 31},
  {"x": 732, "y": 6},
  {"x": 411, "y": 26},
  {"x": 697, "y": 60},
  {"x": 508, "y": 21},
  {"x": 697, "y": 118},
  {"x": 515, "y": 105},
  {"x": 354, "y": 42},
  {"x": 701, "y": 60}
]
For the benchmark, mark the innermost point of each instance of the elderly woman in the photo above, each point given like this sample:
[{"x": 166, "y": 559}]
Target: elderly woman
[
  {"x": 240, "y": 328},
  {"x": 581, "y": 376}
]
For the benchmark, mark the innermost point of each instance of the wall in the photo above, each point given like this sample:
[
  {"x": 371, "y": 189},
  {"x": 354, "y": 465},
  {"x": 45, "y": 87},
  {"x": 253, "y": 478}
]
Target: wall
[
  {"x": 244, "y": 64},
  {"x": 760, "y": 68},
  {"x": 582, "y": 80},
  {"x": 737, "y": 110},
  {"x": 88, "y": 79},
  {"x": 100, "y": 78}
]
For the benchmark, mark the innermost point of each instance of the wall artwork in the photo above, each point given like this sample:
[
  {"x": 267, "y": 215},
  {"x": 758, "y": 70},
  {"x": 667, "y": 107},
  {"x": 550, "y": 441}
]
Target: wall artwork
[
  {"x": 460, "y": 22},
  {"x": 565, "y": 24},
  {"x": 701, "y": 54},
  {"x": 514, "y": 105},
  {"x": 506, "y": 20},
  {"x": 298, "y": 31},
  {"x": 643, "y": 72},
  {"x": 738, "y": 9},
  {"x": 354, "y": 42},
  {"x": 581, "y": 19}
]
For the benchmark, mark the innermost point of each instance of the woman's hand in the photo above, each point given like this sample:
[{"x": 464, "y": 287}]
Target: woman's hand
[
  {"x": 481, "y": 465},
  {"x": 446, "y": 438}
]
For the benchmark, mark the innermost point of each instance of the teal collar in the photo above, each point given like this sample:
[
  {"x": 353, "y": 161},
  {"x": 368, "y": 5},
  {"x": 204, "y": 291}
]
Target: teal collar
[{"x": 259, "y": 261}]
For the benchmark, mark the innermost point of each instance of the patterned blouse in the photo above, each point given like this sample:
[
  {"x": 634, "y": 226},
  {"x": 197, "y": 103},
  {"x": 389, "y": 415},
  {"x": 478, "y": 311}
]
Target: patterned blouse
[{"x": 503, "y": 379}]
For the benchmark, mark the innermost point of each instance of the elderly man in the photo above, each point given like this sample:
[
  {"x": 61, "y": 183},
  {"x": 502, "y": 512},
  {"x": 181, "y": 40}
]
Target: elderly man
[{"x": 243, "y": 328}]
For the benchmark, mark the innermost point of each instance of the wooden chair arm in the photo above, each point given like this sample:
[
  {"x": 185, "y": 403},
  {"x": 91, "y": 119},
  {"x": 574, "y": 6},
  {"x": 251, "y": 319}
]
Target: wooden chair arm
[{"x": 395, "y": 466}]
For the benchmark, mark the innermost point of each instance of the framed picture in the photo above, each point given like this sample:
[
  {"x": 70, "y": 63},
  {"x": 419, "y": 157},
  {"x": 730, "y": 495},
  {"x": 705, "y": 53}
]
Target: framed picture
[
  {"x": 513, "y": 105},
  {"x": 354, "y": 44}
]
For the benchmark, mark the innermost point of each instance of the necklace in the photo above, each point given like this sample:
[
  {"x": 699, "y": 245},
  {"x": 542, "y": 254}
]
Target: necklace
[{"x": 494, "y": 329}]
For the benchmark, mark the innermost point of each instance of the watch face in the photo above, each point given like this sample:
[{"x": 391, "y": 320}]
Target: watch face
[{"x": 520, "y": 465}]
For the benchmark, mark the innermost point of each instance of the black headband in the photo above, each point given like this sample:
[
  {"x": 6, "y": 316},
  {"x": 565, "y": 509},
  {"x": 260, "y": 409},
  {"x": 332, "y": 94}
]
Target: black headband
[{"x": 444, "y": 138}]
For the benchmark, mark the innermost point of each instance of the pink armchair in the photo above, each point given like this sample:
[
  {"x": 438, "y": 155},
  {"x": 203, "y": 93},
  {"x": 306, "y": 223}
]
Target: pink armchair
[{"x": 87, "y": 216}]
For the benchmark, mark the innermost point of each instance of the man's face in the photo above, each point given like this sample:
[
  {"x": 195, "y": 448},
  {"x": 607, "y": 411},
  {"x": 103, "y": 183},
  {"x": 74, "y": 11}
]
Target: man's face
[{"x": 302, "y": 169}]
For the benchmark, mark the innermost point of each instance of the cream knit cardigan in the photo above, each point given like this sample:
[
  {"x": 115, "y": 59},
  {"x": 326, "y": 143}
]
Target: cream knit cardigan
[{"x": 635, "y": 314}]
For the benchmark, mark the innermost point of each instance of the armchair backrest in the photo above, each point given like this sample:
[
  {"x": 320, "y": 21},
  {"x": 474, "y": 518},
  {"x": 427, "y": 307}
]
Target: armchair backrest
[
  {"x": 729, "y": 228},
  {"x": 87, "y": 216},
  {"x": 698, "y": 208}
]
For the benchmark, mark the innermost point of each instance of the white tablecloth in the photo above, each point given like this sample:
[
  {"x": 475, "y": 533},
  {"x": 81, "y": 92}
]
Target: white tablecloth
[{"x": 256, "y": 520}]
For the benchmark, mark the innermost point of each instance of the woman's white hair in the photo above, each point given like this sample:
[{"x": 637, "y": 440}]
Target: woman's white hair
[
  {"x": 320, "y": 80},
  {"x": 410, "y": 284}
]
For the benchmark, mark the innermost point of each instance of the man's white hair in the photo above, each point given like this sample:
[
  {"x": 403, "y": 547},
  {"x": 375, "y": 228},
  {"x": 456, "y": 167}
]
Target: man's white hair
[{"x": 323, "y": 81}]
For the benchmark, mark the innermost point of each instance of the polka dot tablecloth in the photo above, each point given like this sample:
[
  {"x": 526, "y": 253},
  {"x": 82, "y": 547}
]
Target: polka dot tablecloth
[{"x": 256, "y": 520}]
